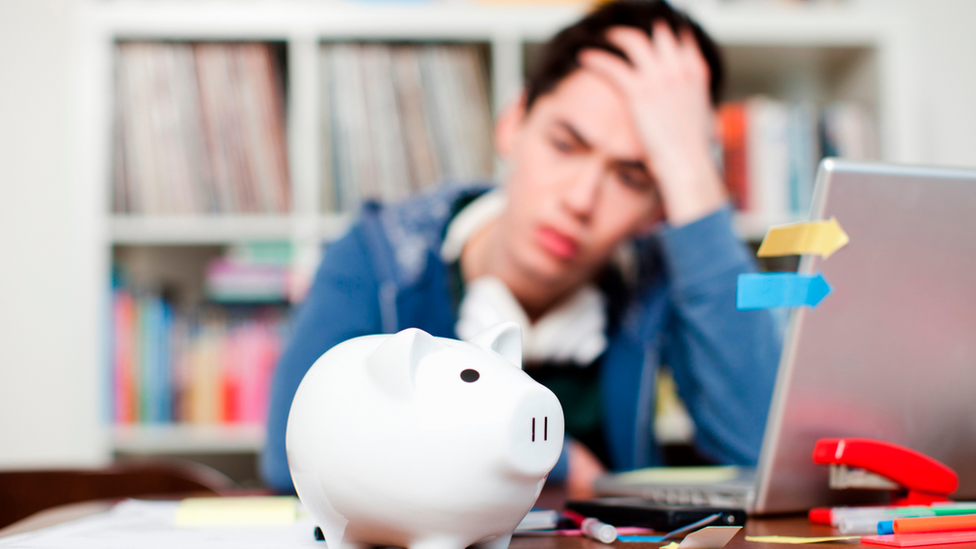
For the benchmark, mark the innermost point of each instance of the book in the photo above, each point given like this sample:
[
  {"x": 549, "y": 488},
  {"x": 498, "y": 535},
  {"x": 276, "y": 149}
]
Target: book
[
  {"x": 211, "y": 365},
  {"x": 732, "y": 123},
  {"x": 768, "y": 157},
  {"x": 199, "y": 129},
  {"x": 771, "y": 150},
  {"x": 399, "y": 119},
  {"x": 123, "y": 352}
]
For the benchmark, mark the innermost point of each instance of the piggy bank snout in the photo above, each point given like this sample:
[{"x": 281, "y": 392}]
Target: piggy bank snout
[{"x": 535, "y": 434}]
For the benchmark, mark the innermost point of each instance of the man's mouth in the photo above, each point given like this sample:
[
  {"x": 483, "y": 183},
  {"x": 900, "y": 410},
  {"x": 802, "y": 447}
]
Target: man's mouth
[{"x": 556, "y": 243}]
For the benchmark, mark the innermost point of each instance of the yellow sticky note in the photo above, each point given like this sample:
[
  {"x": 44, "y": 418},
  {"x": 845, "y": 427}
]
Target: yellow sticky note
[
  {"x": 257, "y": 511},
  {"x": 813, "y": 237},
  {"x": 679, "y": 475},
  {"x": 797, "y": 540}
]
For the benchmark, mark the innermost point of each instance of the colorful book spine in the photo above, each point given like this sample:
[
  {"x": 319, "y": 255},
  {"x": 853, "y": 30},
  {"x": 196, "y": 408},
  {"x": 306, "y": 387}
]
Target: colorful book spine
[
  {"x": 771, "y": 149},
  {"x": 732, "y": 120},
  {"x": 203, "y": 368},
  {"x": 123, "y": 352}
]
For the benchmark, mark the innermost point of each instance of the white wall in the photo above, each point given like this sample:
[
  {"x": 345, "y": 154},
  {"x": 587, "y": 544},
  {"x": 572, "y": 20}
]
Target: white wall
[
  {"x": 947, "y": 50},
  {"x": 49, "y": 397},
  {"x": 942, "y": 57}
]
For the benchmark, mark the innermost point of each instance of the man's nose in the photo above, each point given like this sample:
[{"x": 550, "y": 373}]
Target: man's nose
[{"x": 582, "y": 192}]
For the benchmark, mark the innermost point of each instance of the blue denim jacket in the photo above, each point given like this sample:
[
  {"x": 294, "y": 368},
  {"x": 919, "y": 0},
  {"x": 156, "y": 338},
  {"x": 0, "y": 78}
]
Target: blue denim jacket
[{"x": 386, "y": 275}]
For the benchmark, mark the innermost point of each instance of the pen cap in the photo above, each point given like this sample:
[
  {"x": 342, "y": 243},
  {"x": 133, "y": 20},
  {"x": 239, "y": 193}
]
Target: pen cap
[
  {"x": 860, "y": 525},
  {"x": 820, "y": 515},
  {"x": 599, "y": 531}
]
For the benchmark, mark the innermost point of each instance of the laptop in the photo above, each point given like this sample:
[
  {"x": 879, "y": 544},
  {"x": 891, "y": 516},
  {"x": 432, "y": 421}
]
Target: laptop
[{"x": 889, "y": 355}]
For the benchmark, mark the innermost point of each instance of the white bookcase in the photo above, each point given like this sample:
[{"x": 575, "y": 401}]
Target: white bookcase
[{"x": 817, "y": 51}]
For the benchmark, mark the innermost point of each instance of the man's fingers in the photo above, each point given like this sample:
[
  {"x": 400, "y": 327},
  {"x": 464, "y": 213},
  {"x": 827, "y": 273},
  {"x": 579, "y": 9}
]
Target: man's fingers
[
  {"x": 611, "y": 67},
  {"x": 661, "y": 57},
  {"x": 666, "y": 46},
  {"x": 636, "y": 45},
  {"x": 692, "y": 60}
]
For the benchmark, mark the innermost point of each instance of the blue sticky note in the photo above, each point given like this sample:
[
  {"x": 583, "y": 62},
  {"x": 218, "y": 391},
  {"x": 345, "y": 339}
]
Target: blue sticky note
[{"x": 769, "y": 290}]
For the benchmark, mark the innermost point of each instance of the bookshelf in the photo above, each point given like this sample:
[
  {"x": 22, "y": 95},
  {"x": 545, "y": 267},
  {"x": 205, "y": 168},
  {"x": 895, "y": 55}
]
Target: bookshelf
[
  {"x": 216, "y": 229},
  {"x": 187, "y": 439},
  {"x": 811, "y": 51}
]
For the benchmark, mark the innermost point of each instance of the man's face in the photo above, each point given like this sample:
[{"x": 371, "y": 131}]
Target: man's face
[{"x": 579, "y": 183}]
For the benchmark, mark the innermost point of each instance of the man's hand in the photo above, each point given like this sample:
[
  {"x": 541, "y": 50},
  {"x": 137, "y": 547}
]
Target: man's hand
[
  {"x": 584, "y": 469},
  {"x": 666, "y": 87}
]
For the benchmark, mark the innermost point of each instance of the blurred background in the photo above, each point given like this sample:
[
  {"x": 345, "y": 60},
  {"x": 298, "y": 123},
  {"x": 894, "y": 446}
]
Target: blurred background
[{"x": 169, "y": 170}]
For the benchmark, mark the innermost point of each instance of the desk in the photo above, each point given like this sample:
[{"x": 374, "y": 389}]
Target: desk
[
  {"x": 757, "y": 526},
  {"x": 788, "y": 526}
]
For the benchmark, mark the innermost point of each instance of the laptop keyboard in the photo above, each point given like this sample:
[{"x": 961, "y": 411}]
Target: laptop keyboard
[{"x": 691, "y": 497}]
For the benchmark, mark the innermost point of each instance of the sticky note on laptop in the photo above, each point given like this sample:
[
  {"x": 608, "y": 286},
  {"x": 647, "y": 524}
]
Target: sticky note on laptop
[{"x": 239, "y": 511}]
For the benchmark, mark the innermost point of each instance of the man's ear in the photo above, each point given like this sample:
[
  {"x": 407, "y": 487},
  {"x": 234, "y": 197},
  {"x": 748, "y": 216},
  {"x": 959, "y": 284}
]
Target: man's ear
[{"x": 507, "y": 126}]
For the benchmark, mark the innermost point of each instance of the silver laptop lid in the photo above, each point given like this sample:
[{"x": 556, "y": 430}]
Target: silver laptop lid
[{"x": 891, "y": 354}]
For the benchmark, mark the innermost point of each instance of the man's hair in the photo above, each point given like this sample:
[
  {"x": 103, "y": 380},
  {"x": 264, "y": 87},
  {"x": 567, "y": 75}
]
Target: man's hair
[{"x": 558, "y": 59}]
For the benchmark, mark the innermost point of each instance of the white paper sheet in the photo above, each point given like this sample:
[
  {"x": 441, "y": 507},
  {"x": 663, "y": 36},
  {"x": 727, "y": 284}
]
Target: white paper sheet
[{"x": 137, "y": 524}]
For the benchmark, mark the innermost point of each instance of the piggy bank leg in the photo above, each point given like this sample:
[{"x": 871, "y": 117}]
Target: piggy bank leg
[
  {"x": 501, "y": 542},
  {"x": 332, "y": 525},
  {"x": 332, "y": 533},
  {"x": 344, "y": 544}
]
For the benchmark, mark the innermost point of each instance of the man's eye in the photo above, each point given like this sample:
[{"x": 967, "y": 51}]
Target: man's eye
[
  {"x": 636, "y": 181},
  {"x": 562, "y": 146}
]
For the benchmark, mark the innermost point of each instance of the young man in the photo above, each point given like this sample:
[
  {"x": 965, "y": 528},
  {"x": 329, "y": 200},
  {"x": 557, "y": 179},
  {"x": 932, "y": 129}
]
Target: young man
[{"x": 610, "y": 242}]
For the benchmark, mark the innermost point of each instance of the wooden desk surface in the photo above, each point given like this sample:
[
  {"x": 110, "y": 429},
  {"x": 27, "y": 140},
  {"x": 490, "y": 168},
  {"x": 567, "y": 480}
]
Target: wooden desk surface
[
  {"x": 784, "y": 526},
  {"x": 756, "y": 526}
]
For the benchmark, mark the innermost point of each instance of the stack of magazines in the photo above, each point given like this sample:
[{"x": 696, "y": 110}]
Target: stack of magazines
[
  {"x": 199, "y": 128},
  {"x": 398, "y": 119}
]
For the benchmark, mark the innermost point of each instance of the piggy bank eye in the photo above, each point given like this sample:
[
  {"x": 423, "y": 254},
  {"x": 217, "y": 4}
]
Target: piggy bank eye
[{"x": 470, "y": 375}]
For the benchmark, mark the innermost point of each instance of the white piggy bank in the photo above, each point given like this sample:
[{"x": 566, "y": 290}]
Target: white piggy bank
[{"x": 414, "y": 441}]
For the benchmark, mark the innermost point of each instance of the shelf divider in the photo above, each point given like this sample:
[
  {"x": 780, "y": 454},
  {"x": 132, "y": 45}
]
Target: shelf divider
[{"x": 176, "y": 438}]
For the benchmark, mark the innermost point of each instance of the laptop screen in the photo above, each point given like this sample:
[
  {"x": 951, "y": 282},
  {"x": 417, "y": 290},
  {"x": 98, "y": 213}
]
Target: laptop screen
[{"x": 891, "y": 353}]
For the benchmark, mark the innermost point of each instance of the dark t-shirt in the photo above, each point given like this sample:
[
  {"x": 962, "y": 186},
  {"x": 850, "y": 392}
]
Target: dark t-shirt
[
  {"x": 578, "y": 390},
  {"x": 577, "y": 387}
]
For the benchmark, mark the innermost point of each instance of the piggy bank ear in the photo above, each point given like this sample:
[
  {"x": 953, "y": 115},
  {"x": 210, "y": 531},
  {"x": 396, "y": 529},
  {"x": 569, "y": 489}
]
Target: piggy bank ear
[
  {"x": 505, "y": 339},
  {"x": 393, "y": 364}
]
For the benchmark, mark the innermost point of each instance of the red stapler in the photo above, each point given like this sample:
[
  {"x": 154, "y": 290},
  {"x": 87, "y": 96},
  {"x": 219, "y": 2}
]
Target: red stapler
[{"x": 913, "y": 477}]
